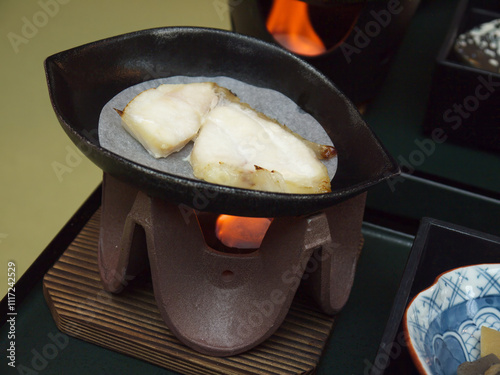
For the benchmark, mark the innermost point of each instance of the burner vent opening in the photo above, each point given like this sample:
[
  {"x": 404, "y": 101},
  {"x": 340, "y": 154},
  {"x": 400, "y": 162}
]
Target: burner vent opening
[{"x": 233, "y": 234}]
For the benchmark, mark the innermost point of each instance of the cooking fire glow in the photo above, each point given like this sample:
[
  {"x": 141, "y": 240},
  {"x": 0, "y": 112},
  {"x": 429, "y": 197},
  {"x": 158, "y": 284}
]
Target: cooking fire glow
[
  {"x": 290, "y": 25},
  {"x": 241, "y": 232}
]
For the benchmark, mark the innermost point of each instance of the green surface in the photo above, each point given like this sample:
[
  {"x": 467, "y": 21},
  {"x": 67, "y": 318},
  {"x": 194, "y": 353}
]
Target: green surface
[{"x": 356, "y": 335}]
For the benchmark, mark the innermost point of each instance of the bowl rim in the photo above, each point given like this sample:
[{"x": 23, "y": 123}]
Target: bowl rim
[{"x": 419, "y": 364}]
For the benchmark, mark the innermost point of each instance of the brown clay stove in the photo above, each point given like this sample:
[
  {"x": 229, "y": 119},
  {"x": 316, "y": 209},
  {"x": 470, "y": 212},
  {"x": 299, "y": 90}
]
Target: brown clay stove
[{"x": 217, "y": 301}]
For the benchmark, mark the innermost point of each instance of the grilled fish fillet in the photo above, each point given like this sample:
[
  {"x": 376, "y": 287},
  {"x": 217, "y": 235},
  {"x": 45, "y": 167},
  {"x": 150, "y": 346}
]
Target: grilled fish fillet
[
  {"x": 234, "y": 145},
  {"x": 240, "y": 147},
  {"x": 166, "y": 118}
]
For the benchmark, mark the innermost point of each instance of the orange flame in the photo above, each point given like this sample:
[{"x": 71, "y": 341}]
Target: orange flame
[
  {"x": 241, "y": 232},
  {"x": 289, "y": 24}
]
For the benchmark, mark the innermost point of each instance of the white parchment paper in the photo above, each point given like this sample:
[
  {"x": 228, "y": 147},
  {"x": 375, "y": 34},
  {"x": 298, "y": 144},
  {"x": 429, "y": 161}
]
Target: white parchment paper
[{"x": 116, "y": 139}]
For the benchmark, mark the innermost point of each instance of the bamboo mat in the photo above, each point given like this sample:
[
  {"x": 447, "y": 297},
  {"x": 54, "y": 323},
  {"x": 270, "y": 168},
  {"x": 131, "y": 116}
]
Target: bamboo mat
[{"x": 130, "y": 322}]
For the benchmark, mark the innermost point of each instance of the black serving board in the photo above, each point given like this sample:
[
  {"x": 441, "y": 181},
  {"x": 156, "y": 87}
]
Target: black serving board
[{"x": 438, "y": 247}]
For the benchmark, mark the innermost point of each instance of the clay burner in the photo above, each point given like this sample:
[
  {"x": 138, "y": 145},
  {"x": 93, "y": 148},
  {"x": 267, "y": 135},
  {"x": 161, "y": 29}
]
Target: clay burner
[{"x": 218, "y": 299}]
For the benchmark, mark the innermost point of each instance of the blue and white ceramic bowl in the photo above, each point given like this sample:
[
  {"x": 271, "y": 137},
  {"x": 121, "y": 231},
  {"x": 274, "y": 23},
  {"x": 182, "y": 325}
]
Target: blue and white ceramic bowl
[{"x": 443, "y": 322}]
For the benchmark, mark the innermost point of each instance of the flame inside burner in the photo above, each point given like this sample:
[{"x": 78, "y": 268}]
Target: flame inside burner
[
  {"x": 290, "y": 25},
  {"x": 241, "y": 232}
]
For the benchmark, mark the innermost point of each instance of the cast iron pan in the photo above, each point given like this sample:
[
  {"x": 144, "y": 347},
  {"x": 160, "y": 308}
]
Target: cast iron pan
[{"x": 83, "y": 79}]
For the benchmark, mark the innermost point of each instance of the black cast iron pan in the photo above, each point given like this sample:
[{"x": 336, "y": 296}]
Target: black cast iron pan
[{"x": 83, "y": 79}]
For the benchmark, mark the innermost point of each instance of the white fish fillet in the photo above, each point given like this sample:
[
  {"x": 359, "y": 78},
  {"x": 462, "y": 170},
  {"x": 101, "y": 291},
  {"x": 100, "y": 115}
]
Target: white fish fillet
[
  {"x": 165, "y": 119},
  {"x": 234, "y": 145},
  {"x": 240, "y": 147}
]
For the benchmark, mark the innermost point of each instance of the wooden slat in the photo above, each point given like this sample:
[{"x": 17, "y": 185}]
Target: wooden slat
[{"x": 130, "y": 322}]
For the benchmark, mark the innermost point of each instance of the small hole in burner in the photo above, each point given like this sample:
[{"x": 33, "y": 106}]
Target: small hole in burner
[{"x": 227, "y": 276}]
